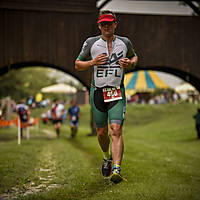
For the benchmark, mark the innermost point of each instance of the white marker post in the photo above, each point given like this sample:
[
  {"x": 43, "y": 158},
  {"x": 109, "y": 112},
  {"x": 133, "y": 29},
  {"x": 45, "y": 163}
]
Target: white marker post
[{"x": 19, "y": 130}]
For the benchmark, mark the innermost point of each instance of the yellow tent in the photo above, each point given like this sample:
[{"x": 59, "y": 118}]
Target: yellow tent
[{"x": 143, "y": 81}]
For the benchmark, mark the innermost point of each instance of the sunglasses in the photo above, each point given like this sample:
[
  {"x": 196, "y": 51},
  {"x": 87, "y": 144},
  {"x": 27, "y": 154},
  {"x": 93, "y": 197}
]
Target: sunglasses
[{"x": 106, "y": 23}]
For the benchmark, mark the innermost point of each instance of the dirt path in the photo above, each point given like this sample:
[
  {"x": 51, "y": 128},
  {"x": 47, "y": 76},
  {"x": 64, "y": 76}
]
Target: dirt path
[{"x": 44, "y": 174}]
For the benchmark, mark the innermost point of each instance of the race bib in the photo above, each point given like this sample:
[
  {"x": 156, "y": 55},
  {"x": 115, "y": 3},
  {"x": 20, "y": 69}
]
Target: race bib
[
  {"x": 112, "y": 94},
  {"x": 73, "y": 118}
]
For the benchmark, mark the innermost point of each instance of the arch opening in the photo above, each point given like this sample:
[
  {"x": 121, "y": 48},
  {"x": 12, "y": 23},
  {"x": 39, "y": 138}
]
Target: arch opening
[
  {"x": 149, "y": 84},
  {"x": 65, "y": 77},
  {"x": 20, "y": 65}
]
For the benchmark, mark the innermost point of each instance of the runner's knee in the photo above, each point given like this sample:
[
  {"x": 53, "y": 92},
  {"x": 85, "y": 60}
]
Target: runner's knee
[
  {"x": 115, "y": 130},
  {"x": 102, "y": 131}
]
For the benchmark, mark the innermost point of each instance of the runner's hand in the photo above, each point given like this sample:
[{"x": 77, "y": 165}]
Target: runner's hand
[
  {"x": 100, "y": 59},
  {"x": 125, "y": 63}
]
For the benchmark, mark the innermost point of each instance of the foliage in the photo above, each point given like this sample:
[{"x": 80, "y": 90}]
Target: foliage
[
  {"x": 26, "y": 82},
  {"x": 23, "y": 83}
]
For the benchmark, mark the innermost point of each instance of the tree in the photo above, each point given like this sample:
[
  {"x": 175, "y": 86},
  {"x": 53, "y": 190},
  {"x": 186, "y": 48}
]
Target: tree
[{"x": 26, "y": 82}]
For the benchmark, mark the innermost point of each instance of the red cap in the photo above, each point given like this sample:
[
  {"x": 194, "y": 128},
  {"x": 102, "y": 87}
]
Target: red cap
[{"x": 106, "y": 18}]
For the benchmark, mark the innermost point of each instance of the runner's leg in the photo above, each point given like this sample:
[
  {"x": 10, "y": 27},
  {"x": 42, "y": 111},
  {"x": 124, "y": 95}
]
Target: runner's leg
[
  {"x": 73, "y": 130},
  {"x": 103, "y": 138},
  {"x": 117, "y": 147},
  {"x": 100, "y": 118},
  {"x": 116, "y": 116},
  {"x": 57, "y": 127},
  {"x": 100, "y": 114},
  {"x": 104, "y": 142}
]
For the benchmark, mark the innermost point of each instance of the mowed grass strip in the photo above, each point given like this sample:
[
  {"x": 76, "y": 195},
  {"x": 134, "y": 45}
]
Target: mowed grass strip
[{"x": 161, "y": 159}]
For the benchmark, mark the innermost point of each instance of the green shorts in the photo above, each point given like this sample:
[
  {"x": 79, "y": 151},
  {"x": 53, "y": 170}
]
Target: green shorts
[{"x": 114, "y": 110}]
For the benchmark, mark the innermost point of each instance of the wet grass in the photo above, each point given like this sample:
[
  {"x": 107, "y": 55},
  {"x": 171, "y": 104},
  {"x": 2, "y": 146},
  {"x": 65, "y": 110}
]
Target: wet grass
[{"x": 161, "y": 159}]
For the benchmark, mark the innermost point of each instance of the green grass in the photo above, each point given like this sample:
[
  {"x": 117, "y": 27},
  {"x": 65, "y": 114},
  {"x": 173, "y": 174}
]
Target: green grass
[{"x": 161, "y": 159}]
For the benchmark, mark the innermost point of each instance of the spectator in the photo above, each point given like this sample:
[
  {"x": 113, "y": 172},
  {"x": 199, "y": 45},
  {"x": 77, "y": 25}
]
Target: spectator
[
  {"x": 175, "y": 98},
  {"x": 30, "y": 101},
  {"x": 197, "y": 122}
]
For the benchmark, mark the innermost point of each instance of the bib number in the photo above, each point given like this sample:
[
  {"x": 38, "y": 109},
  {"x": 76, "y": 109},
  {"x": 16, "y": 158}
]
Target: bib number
[
  {"x": 112, "y": 94},
  {"x": 73, "y": 118}
]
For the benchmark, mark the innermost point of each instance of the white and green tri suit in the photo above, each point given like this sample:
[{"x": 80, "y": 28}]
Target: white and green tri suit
[{"x": 107, "y": 75}]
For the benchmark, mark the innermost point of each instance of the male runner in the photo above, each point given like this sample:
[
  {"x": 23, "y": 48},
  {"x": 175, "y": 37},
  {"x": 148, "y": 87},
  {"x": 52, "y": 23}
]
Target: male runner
[
  {"x": 24, "y": 114},
  {"x": 108, "y": 55},
  {"x": 57, "y": 111},
  {"x": 74, "y": 116}
]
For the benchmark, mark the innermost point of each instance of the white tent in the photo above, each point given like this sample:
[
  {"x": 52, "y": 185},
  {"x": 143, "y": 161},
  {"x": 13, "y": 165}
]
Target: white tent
[
  {"x": 185, "y": 87},
  {"x": 59, "y": 88}
]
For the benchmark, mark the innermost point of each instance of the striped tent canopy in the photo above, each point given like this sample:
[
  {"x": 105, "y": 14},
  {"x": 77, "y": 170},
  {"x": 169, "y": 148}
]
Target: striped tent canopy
[{"x": 143, "y": 81}]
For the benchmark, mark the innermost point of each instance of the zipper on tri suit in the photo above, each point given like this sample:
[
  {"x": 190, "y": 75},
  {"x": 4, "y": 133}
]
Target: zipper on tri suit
[{"x": 109, "y": 56}]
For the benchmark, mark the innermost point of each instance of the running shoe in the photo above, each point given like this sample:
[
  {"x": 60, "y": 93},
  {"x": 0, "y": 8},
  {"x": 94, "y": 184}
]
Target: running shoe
[
  {"x": 106, "y": 167},
  {"x": 116, "y": 176}
]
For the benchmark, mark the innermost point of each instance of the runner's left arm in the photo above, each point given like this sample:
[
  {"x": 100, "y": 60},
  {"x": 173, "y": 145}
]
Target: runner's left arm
[
  {"x": 131, "y": 57},
  {"x": 127, "y": 63}
]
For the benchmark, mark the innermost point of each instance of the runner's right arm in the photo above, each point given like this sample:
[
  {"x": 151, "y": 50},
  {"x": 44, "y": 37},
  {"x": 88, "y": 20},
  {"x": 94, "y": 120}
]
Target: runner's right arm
[
  {"x": 83, "y": 65},
  {"x": 84, "y": 60}
]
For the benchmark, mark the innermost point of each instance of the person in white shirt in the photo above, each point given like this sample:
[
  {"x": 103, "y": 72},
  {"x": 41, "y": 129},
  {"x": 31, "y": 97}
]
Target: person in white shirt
[{"x": 57, "y": 111}]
